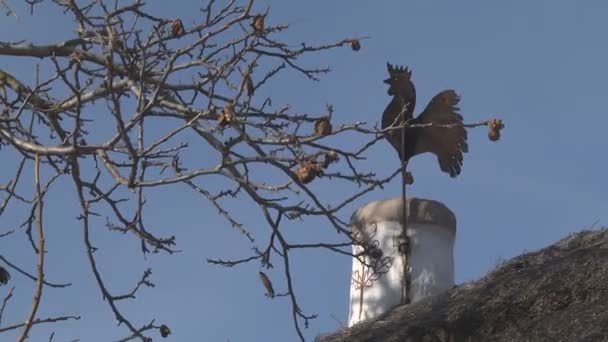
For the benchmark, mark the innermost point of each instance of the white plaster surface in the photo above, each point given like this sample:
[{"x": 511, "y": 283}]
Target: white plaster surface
[{"x": 431, "y": 267}]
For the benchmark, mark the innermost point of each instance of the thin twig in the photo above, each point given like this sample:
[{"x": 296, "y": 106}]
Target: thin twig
[{"x": 41, "y": 251}]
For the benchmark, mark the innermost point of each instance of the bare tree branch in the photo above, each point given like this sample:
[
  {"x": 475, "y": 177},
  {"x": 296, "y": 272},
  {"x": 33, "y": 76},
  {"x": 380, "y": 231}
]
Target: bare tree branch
[
  {"x": 170, "y": 90},
  {"x": 41, "y": 251}
]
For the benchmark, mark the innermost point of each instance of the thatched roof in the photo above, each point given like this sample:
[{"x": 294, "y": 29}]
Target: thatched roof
[{"x": 559, "y": 293}]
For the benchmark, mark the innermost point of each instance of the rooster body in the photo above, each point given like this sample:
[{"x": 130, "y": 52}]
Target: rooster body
[{"x": 447, "y": 143}]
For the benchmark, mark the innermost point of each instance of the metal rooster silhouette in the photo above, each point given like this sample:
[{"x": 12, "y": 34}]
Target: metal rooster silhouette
[{"x": 447, "y": 143}]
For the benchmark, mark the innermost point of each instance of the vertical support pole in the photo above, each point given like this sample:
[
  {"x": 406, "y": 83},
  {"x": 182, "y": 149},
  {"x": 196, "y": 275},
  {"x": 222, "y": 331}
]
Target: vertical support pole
[{"x": 404, "y": 240}]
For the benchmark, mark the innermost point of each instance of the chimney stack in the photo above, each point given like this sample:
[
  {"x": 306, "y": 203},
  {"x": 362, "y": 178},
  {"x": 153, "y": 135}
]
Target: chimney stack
[{"x": 380, "y": 284}]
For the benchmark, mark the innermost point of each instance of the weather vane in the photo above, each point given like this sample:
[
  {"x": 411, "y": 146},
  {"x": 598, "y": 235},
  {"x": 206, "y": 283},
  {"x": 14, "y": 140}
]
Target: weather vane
[{"x": 439, "y": 129}]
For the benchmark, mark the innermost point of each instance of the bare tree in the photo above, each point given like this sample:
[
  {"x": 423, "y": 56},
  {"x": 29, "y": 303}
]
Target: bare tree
[{"x": 202, "y": 81}]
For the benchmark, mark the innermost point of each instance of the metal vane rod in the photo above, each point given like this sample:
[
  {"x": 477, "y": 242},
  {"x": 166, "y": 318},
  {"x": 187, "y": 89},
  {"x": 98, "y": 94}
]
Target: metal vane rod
[{"x": 404, "y": 243}]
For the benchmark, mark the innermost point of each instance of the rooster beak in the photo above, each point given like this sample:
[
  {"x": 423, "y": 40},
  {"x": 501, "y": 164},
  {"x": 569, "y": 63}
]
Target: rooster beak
[{"x": 387, "y": 81}]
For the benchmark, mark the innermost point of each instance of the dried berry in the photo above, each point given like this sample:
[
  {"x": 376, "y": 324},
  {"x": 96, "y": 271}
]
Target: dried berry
[
  {"x": 4, "y": 276},
  {"x": 355, "y": 45},
  {"x": 227, "y": 116},
  {"x": 267, "y": 284},
  {"x": 177, "y": 28},
  {"x": 330, "y": 157},
  {"x": 249, "y": 85},
  {"x": 309, "y": 169},
  {"x": 496, "y": 124},
  {"x": 323, "y": 127},
  {"x": 258, "y": 25},
  {"x": 306, "y": 173},
  {"x": 493, "y": 135},
  {"x": 494, "y": 127},
  {"x": 409, "y": 179},
  {"x": 164, "y": 331}
]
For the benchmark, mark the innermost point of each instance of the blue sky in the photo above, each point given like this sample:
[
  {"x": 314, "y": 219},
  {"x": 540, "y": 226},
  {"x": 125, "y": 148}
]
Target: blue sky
[{"x": 540, "y": 66}]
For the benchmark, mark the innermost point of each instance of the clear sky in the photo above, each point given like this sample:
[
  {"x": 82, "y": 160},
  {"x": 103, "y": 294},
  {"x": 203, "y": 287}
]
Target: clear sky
[{"x": 538, "y": 65}]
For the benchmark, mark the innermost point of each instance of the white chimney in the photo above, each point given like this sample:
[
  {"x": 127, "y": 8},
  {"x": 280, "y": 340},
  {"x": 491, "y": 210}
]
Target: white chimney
[{"x": 379, "y": 286}]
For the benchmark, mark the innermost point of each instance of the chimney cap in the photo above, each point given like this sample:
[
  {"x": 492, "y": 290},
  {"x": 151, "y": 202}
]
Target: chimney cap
[{"x": 419, "y": 210}]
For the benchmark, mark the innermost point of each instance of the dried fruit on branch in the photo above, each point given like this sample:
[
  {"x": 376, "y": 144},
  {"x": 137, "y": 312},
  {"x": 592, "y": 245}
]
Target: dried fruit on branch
[
  {"x": 308, "y": 171},
  {"x": 330, "y": 157},
  {"x": 409, "y": 179},
  {"x": 258, "y": 25},
  {"x": 494, "y": 127},
  {"x": 323, "y": 127},
  {"x": 267, "y": 284},
  {"x": 177, "y": 28},
  {"x": 306, "y": 174},
  {"x": 355, "y": 45},
  {"x": 4, "y": 276},
  {"x": 249, "y": 85},
  {"x": 227, "y": 116},
  {"x": 493, "y": 135},
  {"x": 164, "y": 331}
]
